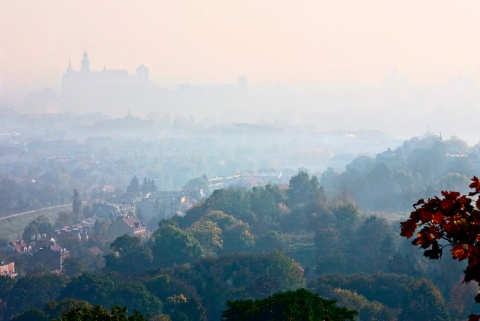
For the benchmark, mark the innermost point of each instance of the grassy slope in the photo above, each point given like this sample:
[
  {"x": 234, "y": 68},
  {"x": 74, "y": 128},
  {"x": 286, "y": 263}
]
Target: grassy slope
[{"x": 13, "y": 225}]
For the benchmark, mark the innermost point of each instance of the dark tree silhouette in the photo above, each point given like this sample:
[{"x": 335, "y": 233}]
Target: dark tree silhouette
[
  {"x": 291, "y": 305},
  {"x": 77, "y": 206},
  {"x": 452, "y": 220}
]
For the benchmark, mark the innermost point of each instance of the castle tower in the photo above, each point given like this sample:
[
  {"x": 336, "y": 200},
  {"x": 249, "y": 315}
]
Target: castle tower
[
  {"x": 69, "y": 68},
  {"x": 142, "y": 73},
  {"x": 85, "y": 63}
]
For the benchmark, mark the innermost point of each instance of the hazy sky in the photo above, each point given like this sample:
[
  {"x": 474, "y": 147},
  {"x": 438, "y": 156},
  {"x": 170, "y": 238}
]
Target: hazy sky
[{"x": 213, "y": 41}]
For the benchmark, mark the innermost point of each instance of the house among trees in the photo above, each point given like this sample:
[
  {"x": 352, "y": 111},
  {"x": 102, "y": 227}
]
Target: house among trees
[
  {"x": 77, "y": 231},
  {"x": 17, "y": 246},
  {"x": 166, "y": 204},
  {"x": 126, "y": 224},
  {"x": 7, "y": 269},
  {"x": 51, "y": 255},
  {"x": 70, "y": 233},
  {"x": 108, "y": 210}
]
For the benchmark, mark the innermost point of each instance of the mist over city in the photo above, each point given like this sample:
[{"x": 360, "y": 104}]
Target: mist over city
[{"x": 237, "y": 160}]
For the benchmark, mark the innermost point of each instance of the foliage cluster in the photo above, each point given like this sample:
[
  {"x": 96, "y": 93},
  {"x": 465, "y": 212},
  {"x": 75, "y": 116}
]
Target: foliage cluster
[
  {"x": 395, "y": 179},
  {"x": 291, "y": 305},
  {"x": 221, "y": 250},
  {"x": 451, "y": 220}
]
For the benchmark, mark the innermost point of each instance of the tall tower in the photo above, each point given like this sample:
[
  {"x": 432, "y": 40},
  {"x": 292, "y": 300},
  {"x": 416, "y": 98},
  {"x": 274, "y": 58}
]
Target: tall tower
[
  {"x": 69, "y": 68},
  {"x": 85, "y": 63},
  {"x": 142, "y": 73}
]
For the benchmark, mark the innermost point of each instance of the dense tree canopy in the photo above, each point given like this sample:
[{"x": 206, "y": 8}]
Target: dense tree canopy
[
  {"x": 290, "y": 305},
  {"x": 171, "y": 245},
  {"x": 220, "y": 251},
  {"x": 39, "y": 289},
  {"x": 134, "y": 186},
  {"x": 40, "y": 225},
  {"x": 396, "y": 178},
  {"x": 406, "y": 297},
  {"x": 128, "y": 256},
  {"x": 98, "y": 313}
]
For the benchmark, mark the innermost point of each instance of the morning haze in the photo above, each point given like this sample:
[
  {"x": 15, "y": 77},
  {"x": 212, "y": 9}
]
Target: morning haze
[
  {"x": 312, "y": 61},
  {"x": 167, "y": 160}
]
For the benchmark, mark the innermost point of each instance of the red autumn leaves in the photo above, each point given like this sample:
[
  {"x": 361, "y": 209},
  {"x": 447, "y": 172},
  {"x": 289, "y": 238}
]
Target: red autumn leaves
[{"x": 453, "y": 220}]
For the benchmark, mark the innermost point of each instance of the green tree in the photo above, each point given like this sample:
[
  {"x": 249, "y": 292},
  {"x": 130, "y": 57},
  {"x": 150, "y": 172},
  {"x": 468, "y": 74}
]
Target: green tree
[
  {"x": 180, "y": 300},
  {"x": 98, "y": 313},
  {"x": 235, "y": 234},
  {"x": 270, "y": 241},
  {"x": 148, "y": 186},
  {"x": 367, "y": 310},
  {"x": 263, "y": 204},
  {"x": 51, "y": 310},
  {"x": 34, "y": 314},
  {"x": 346, "y": 216},
  {"x": 55, "y": 309},
  {"x": 291, "y": 305},
  {"x": 40, "y": 225},
  {"x": 371, "y": 246},
  {"x": 97, "y": 236},
  {"x": 240, "y": 276},
  {"x": 301, "y": 189},
  {"x": 380, "y": 186},
  {"x": 39, "y": 289},
  {"x": 330, "y": 251},
  {"x": 73, "y": 266},
  {"x": 232, "y": 201},
  {"x": 128, "y": 255},
  {"x": 412, "y": 298},
  {"x": 171, "y": 245},
  {"x": 6, "y": 286},
  {"x": 134, "y": 186},
  {"x": 198, "y": 183},
  {"x": 237, "y": 238},
  {"x": 95, "y": 288},
  {"x": 181, "y": 308},
  {"x": 77, "y": 206},
  {"x": 65, "y": 218},
  {"x": 135, "y": 296},
  {"x": 208, "y": 234}
]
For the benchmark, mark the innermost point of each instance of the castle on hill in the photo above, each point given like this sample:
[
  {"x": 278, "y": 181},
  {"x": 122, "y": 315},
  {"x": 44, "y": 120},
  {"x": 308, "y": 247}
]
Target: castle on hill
[
  {"x": 73, "y": 79},
  {"x": 107, "y": 90},
  {"x": 113, "y": 92}
]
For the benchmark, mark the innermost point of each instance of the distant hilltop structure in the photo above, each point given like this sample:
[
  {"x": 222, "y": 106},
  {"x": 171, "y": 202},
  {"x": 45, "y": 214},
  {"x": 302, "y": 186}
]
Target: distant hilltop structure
[
  {"x": 107, "y": 90},
  {"x": 85, "y": 77},
  {"x": 113, "y": 92}
]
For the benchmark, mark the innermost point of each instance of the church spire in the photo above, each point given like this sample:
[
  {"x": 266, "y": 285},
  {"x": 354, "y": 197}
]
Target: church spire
[
  {"x": 85, "y": 62},
  {"x": 69, "y": 68}
]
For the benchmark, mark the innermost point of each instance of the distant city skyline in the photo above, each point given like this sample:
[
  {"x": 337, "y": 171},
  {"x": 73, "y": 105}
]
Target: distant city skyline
[{"x": 214, "y": 42}]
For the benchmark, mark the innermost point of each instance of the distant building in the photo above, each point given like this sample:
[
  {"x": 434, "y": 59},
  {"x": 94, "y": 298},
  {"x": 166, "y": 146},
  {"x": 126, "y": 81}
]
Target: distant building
[
  {"x": 7, "y": 269},
  {"x": 17, "y": 246},
  {"x": 111, "y": 211},
  {"x": 245, "y": 181},
  {"x": 169, "y": 204},
  {"x": 77, "y": 231},
  {"x": 147, "y": 208},
  {"x": 111, "y": 91},
  {"x": 51, "y": 255},
  {"x": 87, "y": 90},
  {"x": 126, "y": 224}
]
